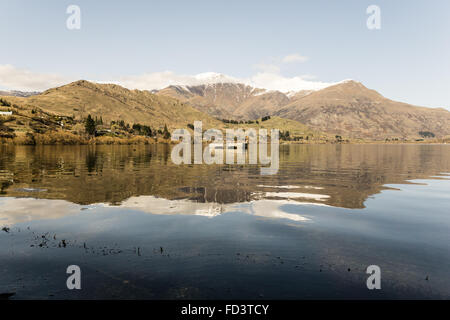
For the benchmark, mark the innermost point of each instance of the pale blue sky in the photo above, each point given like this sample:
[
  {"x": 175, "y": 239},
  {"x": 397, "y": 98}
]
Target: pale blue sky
[{"x": 407, "y": 60}]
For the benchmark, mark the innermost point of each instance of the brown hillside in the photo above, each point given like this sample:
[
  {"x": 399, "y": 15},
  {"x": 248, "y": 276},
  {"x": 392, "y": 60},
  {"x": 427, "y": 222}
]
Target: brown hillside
[
  {"x": 351, "y": 109},
  {"x": 113, "y": 102}
]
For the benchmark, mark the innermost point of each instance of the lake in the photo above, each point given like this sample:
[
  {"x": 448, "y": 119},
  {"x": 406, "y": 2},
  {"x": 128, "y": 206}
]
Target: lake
[{"x": 141, "y": 227}]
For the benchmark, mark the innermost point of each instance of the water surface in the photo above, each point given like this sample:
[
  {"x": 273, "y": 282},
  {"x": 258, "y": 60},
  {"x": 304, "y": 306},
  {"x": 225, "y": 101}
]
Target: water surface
[{"x": 141, "y": 227}]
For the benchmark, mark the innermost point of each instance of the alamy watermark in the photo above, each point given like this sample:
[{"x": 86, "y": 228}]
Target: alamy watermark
[
  {"x": 236, "y": 145},
  {"x": 374, "y": 280},
  {"x": 73, "y": 22},
  {"x": 74, "y": 280},
  {"x": 374, "y": 20}
]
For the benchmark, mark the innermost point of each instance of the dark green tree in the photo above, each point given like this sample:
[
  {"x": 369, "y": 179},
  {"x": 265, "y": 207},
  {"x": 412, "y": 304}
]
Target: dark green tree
[
  {"x": 166, "y": 133},
  {"x": 146, "y": 131},
  {"x": 90, "y": 125},
  {"x": 137, "y": 128}
]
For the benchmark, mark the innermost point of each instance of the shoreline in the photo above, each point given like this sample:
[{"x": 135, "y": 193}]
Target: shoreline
[
  {"x": 70, "y": 138},
  {"x": 153, "y": 141},
  {"x": 64, "y": 138}
]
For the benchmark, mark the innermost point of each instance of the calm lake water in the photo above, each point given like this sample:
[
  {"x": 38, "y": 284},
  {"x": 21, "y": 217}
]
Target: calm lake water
[{"x": 141, "y": 227}]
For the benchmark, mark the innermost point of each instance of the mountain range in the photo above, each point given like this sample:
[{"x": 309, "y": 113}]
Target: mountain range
[
  {"x": 347, "y": 108},
  {"x": 15, "y": 93}
]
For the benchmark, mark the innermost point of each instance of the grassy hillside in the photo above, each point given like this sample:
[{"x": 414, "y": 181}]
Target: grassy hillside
[
  {"x": 112, "y": 103},
  {"x": 294, "y": 130},
  {"x": 351, "y": 109}
]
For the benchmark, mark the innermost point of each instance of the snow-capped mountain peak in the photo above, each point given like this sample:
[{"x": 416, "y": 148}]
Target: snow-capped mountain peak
[{"x": 214, "y": 77}]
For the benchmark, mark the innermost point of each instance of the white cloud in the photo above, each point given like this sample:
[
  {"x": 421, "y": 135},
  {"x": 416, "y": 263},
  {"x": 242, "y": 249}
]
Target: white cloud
[
  {"x": 25, "y": 80},
  {"x": 274, "y": 81},
  {"x": 273, "y": 68},
  {"x": 295, "y": 57},
  {"x": 268, "y": 77}
]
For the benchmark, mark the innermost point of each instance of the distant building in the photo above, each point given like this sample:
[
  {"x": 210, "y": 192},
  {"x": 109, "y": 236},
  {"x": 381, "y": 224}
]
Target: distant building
[{"x": 5, "y": 113}]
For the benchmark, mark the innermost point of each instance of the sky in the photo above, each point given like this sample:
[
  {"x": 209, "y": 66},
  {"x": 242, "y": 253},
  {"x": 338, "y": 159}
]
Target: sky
[{"x": 283, "y": 45}]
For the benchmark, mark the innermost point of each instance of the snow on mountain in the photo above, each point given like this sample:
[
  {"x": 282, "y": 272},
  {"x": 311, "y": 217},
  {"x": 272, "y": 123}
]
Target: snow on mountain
[
  {"x": 267, "y": 81},
  {"x": 262, "y": 80},
  {"x": 213, "y": 77}
]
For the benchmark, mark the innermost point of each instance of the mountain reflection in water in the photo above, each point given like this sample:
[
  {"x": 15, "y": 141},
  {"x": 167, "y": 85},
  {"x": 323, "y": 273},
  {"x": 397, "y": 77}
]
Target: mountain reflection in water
[
  {"x": 141, "y": 227},
  {"x": 337, "y": 175}
]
